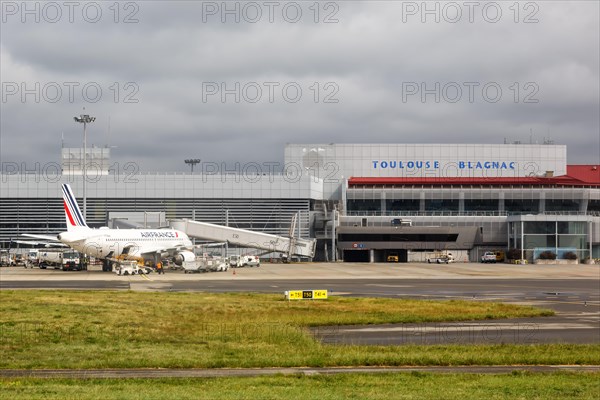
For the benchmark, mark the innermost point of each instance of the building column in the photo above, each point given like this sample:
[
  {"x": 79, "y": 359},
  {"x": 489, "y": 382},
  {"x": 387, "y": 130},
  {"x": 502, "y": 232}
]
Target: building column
[
  {"x": 383, "y": 204},
  {"x": 501, "y": 202},
  {"x": 333, "y": 235},
  {"x": 590, "y": 242},
  {"x": 583, "y": 205},
  {"x": 422, "y": 202},
  {"x": 522, "y": 242},
  {"x": 542, "y": 205},
  {"x": 508, "y": 235},
  {"x": 461, "y": 202},
  {"x": 371, "y": 256}
]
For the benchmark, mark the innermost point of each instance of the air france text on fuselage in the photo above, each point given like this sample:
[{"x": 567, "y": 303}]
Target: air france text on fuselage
[
  {"x": 379, "y": 164},
  {"x": 172, "y": 235}
]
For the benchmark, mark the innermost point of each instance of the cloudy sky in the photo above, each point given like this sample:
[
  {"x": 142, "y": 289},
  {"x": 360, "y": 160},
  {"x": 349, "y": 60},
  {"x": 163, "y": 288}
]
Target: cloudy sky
[{"x": 236, "y": 81}]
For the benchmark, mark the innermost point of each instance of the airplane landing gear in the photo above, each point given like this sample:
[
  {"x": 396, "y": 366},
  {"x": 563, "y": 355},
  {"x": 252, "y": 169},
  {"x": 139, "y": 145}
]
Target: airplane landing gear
[{"x": 106, "y": 266}]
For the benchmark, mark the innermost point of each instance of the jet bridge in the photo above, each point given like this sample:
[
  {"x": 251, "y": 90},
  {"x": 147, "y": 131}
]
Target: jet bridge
[{"x": 291, "y": 246}]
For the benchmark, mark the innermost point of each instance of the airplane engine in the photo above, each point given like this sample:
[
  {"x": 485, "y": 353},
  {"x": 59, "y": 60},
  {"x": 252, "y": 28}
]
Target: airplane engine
[{"x": 183, "y": 256}]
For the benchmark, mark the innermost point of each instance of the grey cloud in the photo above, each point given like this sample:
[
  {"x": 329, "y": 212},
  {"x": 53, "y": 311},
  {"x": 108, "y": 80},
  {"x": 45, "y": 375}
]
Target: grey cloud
[{"x": 370, "y": 54}]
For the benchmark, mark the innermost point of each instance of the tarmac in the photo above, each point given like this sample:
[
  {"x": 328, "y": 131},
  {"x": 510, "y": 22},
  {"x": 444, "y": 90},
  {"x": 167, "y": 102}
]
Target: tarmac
[{"x": 317, "y": 271}]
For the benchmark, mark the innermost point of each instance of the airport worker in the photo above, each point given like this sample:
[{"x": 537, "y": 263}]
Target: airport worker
[{"x": 159, "y": 268}]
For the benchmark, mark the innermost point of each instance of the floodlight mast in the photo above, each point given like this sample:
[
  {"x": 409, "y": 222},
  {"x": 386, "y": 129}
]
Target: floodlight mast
[
  {"x": 84, "y": 119},
  {"x": 192, "y": 162}
]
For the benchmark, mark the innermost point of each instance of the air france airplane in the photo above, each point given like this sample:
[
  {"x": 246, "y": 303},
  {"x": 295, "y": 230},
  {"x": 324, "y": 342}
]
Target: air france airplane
[{"x": 130, "y": 244}]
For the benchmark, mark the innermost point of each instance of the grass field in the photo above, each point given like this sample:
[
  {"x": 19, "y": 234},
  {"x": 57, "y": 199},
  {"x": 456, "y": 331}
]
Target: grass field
[
  {"x": 564, "y": 386},
  {"x": 53, "y": 329}
]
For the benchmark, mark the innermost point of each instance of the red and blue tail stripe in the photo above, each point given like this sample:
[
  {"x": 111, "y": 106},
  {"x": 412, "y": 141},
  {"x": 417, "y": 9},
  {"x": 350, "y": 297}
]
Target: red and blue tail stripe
[{"x": 72, "y": 212}]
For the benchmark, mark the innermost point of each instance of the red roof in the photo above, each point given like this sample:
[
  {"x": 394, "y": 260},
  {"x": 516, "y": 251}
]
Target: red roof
[
  {"x": 577, "y": 175},
  {"x": 585, "y": 173}
]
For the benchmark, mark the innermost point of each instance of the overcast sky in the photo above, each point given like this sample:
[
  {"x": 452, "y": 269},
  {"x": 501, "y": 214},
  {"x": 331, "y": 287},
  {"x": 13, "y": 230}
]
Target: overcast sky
[{"x": 235, "y": 83}]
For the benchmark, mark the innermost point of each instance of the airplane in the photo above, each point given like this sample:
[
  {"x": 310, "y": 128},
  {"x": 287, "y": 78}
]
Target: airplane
[{"x": 111, "y": 245}]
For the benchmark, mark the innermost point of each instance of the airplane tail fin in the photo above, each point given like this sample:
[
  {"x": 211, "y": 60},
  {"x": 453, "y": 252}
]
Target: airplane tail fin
[{"x": 73, "y": 215}]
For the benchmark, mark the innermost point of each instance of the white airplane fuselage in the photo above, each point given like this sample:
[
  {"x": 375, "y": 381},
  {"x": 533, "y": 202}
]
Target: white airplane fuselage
[{"x": 125, "y": 243}]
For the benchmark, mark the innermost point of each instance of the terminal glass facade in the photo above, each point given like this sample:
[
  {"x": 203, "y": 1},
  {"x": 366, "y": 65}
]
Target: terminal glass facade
[{"x": 550, "y": 233}]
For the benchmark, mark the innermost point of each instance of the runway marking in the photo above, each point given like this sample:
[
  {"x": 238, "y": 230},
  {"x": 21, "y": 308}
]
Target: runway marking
[
  {"x": 469, "y": 328},
  {"x": 392, "y": 286},
  {"x": 145, "y": 277},
  {"x": 581, "y": 302}
]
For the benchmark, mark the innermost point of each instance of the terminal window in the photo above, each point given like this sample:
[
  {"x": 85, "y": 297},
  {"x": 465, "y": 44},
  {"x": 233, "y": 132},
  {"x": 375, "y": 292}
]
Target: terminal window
[
  {"x": 481, "y": 205},
  {"x": 522, "y": 206},
  {"x": 402, "y": 205},
  {"x": 441, "y": 205},
  {"x": 594, "y": 205},
  {"x": 562, "y": 205}
]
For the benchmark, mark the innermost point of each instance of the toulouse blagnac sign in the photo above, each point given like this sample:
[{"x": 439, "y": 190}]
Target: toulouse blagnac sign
[{"x": 432, "y": 164}]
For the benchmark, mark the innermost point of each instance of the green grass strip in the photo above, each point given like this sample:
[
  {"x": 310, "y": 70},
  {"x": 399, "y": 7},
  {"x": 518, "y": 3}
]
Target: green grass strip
[
  {"x": 107, "y": 329},
  {"x": 531, "y": 386}
]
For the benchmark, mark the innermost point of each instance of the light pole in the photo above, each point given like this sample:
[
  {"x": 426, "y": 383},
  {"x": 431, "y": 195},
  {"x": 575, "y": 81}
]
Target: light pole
[
  {"x": 84, "y": 119},
  {"x": 192, "y": 162}
]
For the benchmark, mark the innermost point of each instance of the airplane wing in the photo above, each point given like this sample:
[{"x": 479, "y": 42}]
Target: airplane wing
[
  {"x": 50, "y": 238},
  {"x": 166, "y": 250},
  {"x": 45, "y": 244}
]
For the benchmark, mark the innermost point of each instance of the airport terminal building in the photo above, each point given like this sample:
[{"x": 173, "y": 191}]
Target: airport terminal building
[{"x": 362, "y": 202}]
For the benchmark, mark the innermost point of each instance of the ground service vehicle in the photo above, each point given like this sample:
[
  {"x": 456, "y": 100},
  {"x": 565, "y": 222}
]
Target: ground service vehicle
[
  {"x": 441, "y": 258},
  {"x": 50, "y": 258},
  {"x": 488, "y": 257},
  {"x": 67, "y": 260},
  {"x": 127, "y": 267},
  {"x": 393, "y": 258},
  {"x": 18, "y": 259},
  {"x": 233, "y": 261},
  {"x": 73, "y": 261},
  {"x": 246, "y": 261},
  {"x": 4, "y": 258},
  {"x": 206, "y": 263},
  {"x": 500, "y": 255},
  {"x": 32, "y": 258}
]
